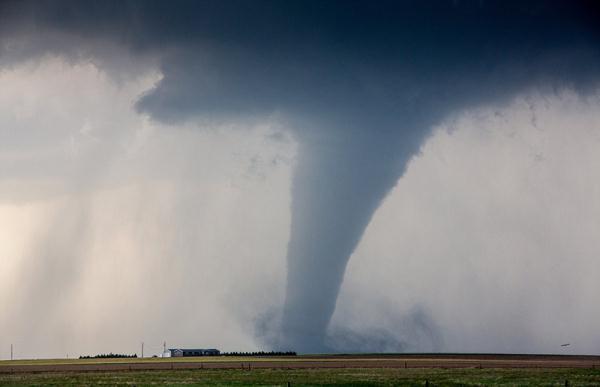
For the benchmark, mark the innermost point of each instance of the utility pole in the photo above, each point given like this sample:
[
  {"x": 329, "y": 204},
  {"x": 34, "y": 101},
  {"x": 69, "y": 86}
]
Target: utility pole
[
  {"x": 11, "y": 352},
  {"x": 142, "y": 349},
  {"x": 164, "y": 347}
]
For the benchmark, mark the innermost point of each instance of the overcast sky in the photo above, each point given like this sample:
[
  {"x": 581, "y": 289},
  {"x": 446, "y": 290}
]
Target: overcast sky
[{"x": 314, "y": 176}]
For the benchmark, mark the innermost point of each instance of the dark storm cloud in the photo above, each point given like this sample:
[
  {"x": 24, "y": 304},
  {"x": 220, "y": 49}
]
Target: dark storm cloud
[{"x": 359, "y": 83}]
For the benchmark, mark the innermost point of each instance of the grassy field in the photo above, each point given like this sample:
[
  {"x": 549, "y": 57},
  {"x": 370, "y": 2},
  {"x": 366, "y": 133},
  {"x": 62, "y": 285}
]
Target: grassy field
[
  {"x": 315, "y": 377},
  {"x": 353, "y": 370}
]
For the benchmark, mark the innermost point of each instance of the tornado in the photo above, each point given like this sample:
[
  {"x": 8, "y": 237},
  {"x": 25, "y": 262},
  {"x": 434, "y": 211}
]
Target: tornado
[{"x": 338, "y": 184}]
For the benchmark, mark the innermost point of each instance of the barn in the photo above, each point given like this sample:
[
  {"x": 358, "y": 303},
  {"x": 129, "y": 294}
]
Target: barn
[{"x": 187, "y": 352}]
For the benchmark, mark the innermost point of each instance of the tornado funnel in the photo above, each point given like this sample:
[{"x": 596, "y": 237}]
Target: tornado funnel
[{"x": 337, "y": 187}]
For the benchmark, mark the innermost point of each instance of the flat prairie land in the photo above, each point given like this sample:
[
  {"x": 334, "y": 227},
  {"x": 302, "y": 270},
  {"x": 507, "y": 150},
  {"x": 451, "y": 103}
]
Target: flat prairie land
[{"x": 330, "y": 370}]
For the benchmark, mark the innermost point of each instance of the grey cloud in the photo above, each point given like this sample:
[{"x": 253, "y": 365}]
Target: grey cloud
[{"x": 360, "y": 83}]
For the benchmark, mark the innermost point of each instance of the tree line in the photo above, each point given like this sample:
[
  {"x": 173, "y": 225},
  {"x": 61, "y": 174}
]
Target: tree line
[{"x": 108, "y": 356}]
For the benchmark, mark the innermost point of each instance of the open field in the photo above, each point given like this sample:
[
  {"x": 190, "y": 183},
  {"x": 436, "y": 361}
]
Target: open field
[
  {"x": 359, "y": 370},
  {"x": 316, "y": 377}
]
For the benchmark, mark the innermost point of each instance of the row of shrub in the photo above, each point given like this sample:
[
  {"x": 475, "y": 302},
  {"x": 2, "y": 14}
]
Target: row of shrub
[
  {"x": 260, "y": 353},
  {"x": 108, "y": 356}
]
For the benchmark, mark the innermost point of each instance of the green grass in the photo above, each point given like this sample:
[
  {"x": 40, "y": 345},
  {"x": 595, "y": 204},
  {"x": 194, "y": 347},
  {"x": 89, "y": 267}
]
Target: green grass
[{"x": 315, "y": 377}]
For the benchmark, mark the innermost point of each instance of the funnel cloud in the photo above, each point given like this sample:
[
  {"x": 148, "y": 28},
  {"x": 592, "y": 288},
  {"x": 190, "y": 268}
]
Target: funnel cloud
[{"x": 358, "y": 85}]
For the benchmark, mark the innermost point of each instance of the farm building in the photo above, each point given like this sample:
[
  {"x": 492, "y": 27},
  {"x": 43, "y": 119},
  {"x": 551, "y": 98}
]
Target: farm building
[{"x": 181, "y": 352}]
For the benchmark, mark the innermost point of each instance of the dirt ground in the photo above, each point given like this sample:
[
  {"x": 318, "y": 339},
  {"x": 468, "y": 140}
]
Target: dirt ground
[{"x": 304, "y": 362}]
